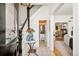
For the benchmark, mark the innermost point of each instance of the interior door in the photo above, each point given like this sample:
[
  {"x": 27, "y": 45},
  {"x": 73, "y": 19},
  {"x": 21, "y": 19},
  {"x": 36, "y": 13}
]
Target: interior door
[{"x": 42, "y": 32}]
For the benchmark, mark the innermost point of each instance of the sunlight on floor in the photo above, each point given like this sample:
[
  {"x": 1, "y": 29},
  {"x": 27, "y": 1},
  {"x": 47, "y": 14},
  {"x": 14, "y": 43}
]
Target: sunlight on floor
[{"x": 63, "y": 48}]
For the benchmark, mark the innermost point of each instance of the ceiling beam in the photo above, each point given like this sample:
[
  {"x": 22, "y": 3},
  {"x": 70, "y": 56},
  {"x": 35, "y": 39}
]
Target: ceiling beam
[{"x": 58, "y": 7}]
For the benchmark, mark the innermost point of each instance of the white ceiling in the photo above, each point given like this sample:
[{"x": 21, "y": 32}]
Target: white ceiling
[
  {"x": 65, "y": 9},
  {"x": 43, "y": 3}
]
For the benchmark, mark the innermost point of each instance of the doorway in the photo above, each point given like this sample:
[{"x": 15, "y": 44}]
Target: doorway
[
  {"x": 61, "y": 30},
  {"x": 42, "y": 33},
  {"x": 62, "y": 40}
]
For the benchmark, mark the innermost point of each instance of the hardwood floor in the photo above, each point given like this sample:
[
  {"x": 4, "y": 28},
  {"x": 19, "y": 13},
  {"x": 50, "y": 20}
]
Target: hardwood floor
[
  {"x": 57, "y": 52},
  {"x": 63, "y": 49},
  {"x": 41, "y": 51},
  {"x": 42, "y": 43}
]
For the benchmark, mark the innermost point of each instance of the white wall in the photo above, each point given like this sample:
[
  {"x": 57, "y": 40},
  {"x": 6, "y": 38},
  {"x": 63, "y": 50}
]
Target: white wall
[
  {"x": 48, "y": 33},
  {"x": 62, "y": 18},
  {"x": 10, "y": 10},
  {"x": 76, "y": 30},
  {"x": 52, "y": 32}
]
